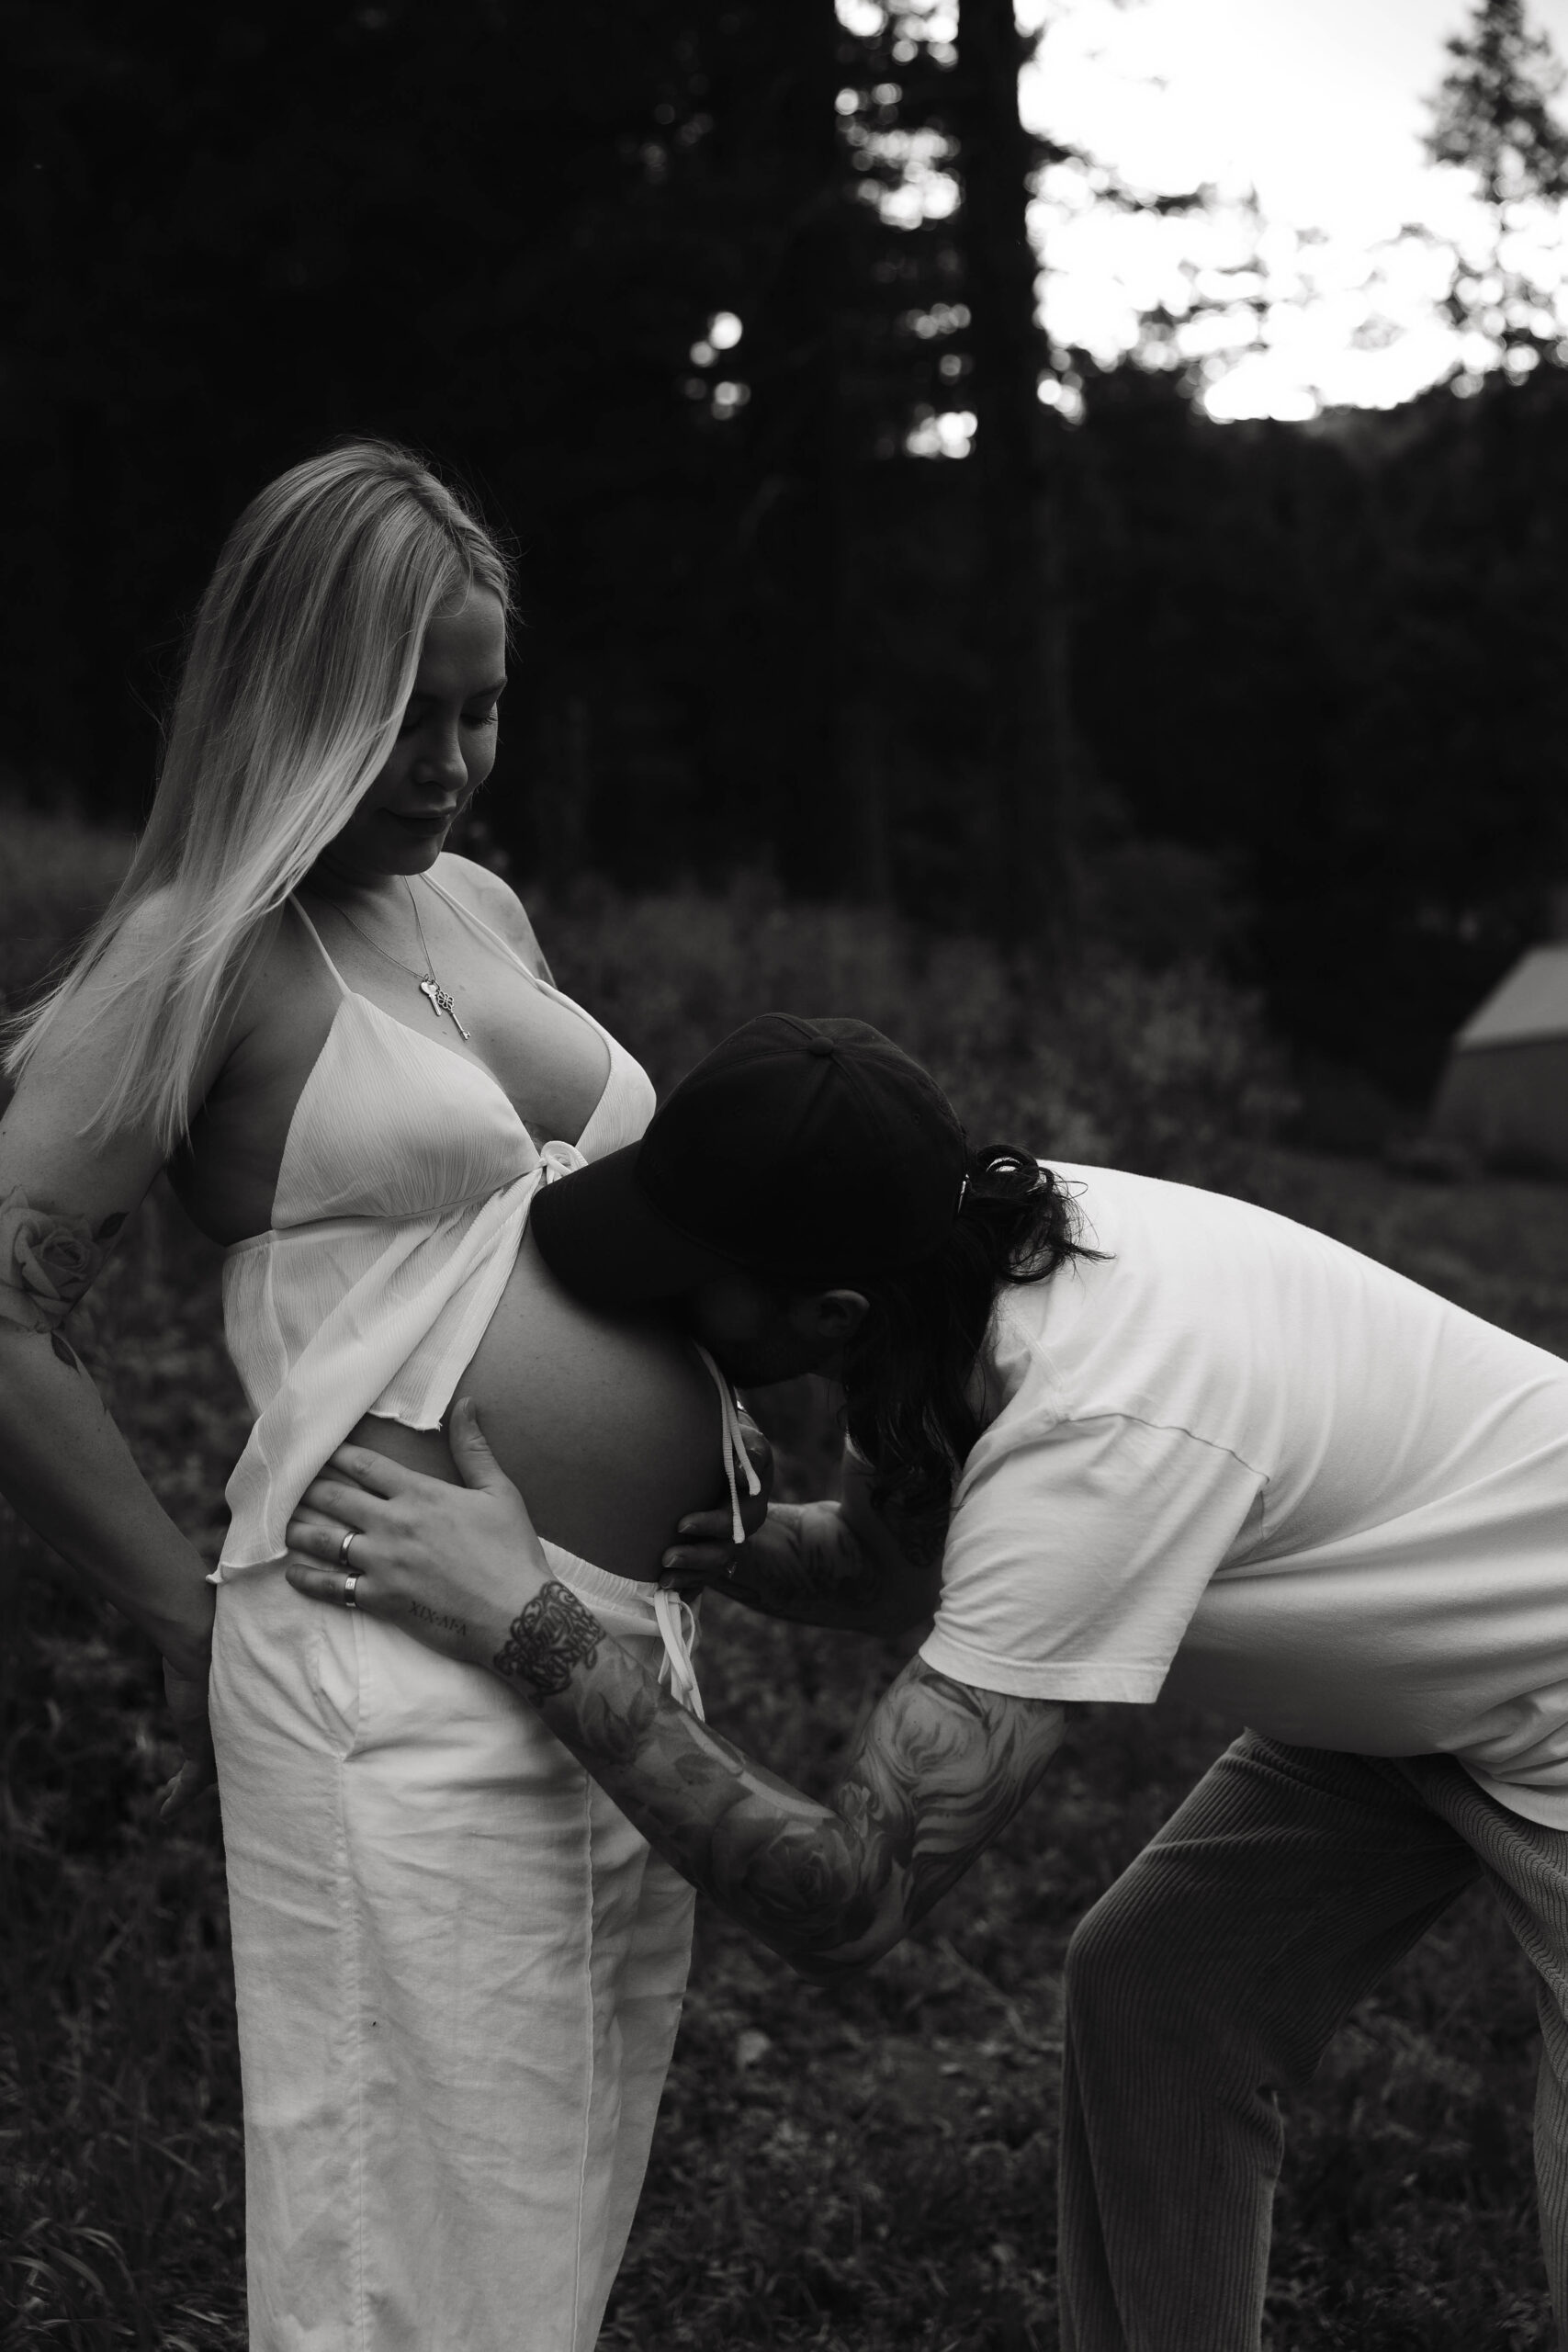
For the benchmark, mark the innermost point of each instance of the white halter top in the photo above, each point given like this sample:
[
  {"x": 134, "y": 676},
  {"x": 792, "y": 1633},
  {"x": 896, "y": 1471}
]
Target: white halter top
[{"x": 400, "y": 1201}]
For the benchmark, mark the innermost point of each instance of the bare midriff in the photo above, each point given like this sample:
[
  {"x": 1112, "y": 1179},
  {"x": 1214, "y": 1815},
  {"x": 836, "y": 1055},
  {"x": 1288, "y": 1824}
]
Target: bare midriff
[{"x": 610, "y": 1428}]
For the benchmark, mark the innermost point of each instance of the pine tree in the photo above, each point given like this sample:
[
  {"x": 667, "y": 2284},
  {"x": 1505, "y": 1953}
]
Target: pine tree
[
  {"x": 1493, "y": 116},
  {"x": 1019, "y": 583}
]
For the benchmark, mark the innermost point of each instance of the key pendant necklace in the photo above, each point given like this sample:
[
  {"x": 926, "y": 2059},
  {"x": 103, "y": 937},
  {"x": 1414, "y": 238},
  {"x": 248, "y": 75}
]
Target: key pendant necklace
[
  {"x": 440, "y": 998},
  {"x": 431, "y": 986}
]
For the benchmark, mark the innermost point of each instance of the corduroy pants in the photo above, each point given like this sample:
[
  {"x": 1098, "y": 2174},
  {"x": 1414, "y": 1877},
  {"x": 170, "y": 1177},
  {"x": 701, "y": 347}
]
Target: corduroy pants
[{"x": 1213, "y": 1974}]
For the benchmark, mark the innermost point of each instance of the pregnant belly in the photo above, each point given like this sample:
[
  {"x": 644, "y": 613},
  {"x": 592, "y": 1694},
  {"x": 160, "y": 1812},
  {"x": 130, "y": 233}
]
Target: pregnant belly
[{"x": 610, "y": 1428}]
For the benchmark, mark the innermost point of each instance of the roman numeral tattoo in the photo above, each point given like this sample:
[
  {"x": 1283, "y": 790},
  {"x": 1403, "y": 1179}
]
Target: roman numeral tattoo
[{"x": 425, "y": 1615}]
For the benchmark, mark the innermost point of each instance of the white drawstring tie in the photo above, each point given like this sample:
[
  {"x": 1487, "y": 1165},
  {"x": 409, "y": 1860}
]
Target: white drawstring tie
[
  {"x": 678, "y": 1630},
  {"x": 735, "y": 1454},
  {"x": 677, "y": 1619}
]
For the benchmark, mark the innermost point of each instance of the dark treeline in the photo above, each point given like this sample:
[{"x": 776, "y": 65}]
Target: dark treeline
[{"x": 1292, "y": 696}]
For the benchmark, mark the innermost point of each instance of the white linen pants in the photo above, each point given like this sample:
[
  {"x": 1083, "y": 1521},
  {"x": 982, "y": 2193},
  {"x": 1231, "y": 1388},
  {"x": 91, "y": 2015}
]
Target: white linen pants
[{"x": 459, "y": 1972}]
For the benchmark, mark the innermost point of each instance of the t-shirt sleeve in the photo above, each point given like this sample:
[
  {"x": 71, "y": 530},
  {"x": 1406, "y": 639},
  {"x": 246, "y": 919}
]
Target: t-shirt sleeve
[{"x": 1077, "y": 1554}]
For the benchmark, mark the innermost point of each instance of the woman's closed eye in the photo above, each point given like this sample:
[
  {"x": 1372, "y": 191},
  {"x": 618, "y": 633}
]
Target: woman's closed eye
[{"x": 414, "y": 718}]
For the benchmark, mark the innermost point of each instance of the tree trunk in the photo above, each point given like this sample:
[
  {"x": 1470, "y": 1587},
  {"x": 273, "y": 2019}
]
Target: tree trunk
[
  {"x": 793, "y": 530},
  {"x": 1021, "y": 570}
]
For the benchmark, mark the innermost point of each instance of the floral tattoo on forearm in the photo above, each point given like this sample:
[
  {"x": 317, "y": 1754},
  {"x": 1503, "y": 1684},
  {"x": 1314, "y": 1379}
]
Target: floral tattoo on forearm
[
  {"x": 46, "y": 1261},
  {"x": 553, "y": 1635},
  {"x": 940, "y": 1771}
]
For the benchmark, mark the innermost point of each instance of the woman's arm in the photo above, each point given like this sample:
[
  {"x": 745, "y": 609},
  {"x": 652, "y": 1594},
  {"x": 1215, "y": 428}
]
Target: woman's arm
[
  {"x": 939, "y": 1772},
  {"x": 64, "y": 1201},
  {"x": 69, "y": 1473}
]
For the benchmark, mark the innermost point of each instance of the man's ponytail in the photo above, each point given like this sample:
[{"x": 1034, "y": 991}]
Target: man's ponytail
[{"x": 909, "y": 1371}]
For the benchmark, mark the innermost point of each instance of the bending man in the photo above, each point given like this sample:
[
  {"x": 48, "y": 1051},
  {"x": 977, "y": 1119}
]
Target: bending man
[{"x": 1185, "y": 1444}]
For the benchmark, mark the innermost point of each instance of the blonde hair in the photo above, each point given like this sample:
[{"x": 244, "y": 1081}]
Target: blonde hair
[{"x": 301, "y": 658}]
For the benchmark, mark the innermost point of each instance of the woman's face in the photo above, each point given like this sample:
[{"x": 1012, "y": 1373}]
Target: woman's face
[{"x": 445, "y": 750}]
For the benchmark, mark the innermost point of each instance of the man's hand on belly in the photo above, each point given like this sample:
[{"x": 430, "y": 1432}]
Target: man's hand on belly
[
  {"x": 453, "y": 1564},
  {"x": 940, "y": 1769}
]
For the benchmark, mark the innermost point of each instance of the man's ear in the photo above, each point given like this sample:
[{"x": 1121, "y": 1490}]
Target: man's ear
[{"x": 830, "y": 1316}]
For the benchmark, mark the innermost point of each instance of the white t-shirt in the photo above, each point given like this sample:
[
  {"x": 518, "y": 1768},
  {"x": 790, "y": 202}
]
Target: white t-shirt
[{"x": 1239, "y": 1461}]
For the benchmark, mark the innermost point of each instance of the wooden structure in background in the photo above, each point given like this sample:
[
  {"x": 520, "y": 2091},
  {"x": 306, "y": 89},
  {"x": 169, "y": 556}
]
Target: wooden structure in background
[{"x": 1504, "y": 1090}]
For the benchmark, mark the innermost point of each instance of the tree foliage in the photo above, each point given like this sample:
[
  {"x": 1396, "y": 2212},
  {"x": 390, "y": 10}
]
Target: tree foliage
[
  {"x": 1493, "y": 118},
  {"x": 1493, "y": 114},
  {"x": 648, "y": 276}
]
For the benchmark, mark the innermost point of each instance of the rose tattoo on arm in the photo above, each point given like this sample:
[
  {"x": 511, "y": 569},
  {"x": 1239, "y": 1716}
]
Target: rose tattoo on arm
[{"x": 48, "y": 1258}]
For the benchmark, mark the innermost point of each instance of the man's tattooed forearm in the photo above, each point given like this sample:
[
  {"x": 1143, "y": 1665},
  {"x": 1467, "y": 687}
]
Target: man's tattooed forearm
[
  {"x": 438, "y": 1618},
  {"x": 553, "y": 1635},
  {"x": 939, "y": 1770}
]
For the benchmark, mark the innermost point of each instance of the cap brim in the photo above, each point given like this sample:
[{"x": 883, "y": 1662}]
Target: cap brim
[{"x": 604, "y": 1241}]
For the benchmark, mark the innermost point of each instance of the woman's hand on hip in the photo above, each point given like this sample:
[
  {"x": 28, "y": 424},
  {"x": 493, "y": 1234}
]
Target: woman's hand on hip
[
  {"x": 186, "y": 1692},
  {"x": 451, "y": 1564}
]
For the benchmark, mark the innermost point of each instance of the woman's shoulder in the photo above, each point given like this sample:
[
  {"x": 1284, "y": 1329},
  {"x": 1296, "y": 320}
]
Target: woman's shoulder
[{"x": 487, "y": 895}]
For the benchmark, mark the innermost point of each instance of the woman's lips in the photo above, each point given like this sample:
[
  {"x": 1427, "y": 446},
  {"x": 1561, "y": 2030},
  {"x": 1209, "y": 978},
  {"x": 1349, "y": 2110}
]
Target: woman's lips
[{"x": 424, "y": 824}]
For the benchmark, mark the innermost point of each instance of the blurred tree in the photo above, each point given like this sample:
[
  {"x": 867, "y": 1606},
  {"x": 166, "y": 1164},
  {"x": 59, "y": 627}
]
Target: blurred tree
[
  {"x": 780, "y": 666},
  {"x": 1018, "y": 605},
  {"x": 707, "y": 297},
  {"x": 1492, "y": 116}
]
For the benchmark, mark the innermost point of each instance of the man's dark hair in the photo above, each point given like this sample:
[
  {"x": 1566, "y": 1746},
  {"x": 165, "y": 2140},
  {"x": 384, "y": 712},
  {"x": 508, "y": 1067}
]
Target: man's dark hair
[{"x": 907, "y": 1372}]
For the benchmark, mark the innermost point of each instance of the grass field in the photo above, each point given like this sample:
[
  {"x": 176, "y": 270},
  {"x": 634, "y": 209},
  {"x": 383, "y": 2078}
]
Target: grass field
[{"x": 860, "y": 2168}]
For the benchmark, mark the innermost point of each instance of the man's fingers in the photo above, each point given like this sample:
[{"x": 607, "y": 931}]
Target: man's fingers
[
  {"x": 306, "y": 1515},
  {"x": 319, "y": 1539},
  {"x": 685, "y": 1588},
  {"x": 373, "y": 1471},
  {"x": 329, "y": 1497},
  {"x": 477, "y": 1466},
  {"x": 315, "y": 1582},
  {"x": 687, "y": 1572},
  {"x": 703, "y": 1553},
  {"x": 696, "y": 1564},
  {"x": 325, "y": 1584},
  {"x": 707, "y": 1527}
]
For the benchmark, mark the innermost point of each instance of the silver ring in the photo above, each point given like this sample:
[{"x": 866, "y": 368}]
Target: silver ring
[
  {"x": 348, "y": 1584},
  {"x": 343, "y": 1547}
]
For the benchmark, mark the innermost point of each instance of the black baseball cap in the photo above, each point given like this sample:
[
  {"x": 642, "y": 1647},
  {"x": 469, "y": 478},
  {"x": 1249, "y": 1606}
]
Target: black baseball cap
[{"x": 809, "y": 1151}]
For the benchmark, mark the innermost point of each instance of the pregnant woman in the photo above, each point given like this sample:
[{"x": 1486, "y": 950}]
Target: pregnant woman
[{"x": 458, "y": 1969}]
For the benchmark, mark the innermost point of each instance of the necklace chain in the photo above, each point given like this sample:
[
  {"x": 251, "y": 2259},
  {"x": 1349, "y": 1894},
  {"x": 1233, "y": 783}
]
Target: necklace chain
[
  {"x": 428, "y": 986},
  {"x": 386, "y": 953}
]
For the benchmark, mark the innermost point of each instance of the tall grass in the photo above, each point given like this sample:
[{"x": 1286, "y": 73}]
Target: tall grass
[
  {"x": 1168, "y": 1071},
  {"x": 859, "y": 2168}
]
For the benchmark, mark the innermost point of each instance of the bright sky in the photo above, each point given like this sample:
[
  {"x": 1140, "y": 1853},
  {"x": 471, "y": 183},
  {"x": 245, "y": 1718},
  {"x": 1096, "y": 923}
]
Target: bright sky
[
  {"x": 1318, "y": 107},
  {"x": 1316, "y": 104}
]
